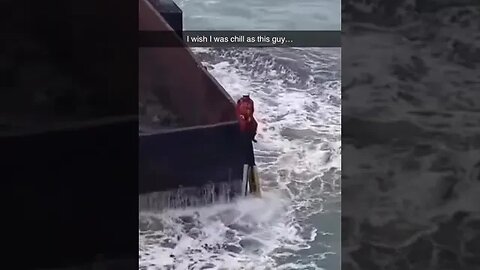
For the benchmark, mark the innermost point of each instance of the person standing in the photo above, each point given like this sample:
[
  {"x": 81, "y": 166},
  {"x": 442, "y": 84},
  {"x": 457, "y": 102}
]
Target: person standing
[{"x": 248, "y": 128}]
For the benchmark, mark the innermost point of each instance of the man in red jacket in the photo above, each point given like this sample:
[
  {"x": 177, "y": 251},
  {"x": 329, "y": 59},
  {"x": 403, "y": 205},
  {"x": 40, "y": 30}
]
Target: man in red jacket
[
  {"x": 248, "y": 128},
  {"x": 248, "y": 124}
]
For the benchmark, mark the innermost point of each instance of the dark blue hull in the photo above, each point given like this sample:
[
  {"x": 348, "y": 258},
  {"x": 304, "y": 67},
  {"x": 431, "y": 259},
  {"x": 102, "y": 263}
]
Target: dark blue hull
[{"x": 192, "y": 157}]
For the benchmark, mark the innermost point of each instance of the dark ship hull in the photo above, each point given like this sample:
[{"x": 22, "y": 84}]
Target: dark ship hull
[{"x": 200, "y": 144}]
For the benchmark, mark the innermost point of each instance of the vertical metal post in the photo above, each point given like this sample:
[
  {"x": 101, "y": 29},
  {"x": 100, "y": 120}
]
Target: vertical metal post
[
  {"x": 256, "y": 180},
  {"x": 245, "y": 180}
]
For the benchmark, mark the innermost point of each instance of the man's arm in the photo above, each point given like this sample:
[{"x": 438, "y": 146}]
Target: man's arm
[{"x": 255, "y": 125}]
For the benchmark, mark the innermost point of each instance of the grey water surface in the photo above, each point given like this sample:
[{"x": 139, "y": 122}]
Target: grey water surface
[{"x": 261, "y": 14}]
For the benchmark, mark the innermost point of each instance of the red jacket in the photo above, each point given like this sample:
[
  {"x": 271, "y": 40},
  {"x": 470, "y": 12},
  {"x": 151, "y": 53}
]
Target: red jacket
[
  {"x": 245, "y": 109},
  {"x": 248, "y": 124}
]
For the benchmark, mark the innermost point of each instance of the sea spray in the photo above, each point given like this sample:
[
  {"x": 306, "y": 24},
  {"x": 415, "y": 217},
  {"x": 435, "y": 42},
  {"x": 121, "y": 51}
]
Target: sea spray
[{"x": 183, "y": 197}]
